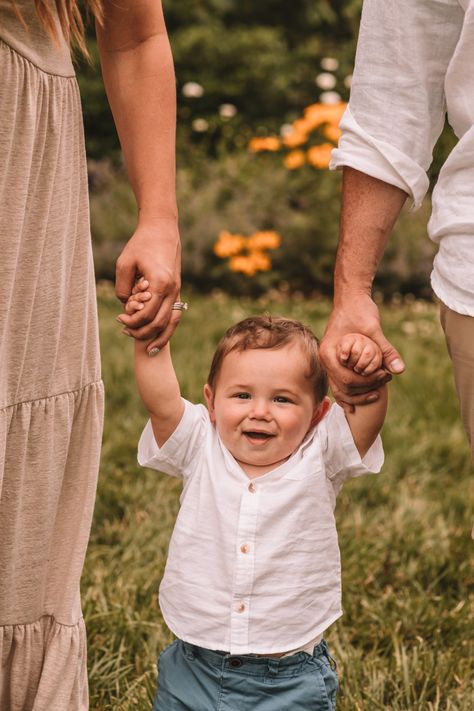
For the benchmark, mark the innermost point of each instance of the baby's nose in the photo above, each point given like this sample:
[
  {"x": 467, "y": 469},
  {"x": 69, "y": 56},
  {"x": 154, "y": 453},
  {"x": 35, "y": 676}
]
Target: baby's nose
[{"x": 260, "y": 409}]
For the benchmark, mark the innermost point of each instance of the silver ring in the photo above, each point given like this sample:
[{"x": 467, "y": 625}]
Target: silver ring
[{"x": 180, "y": 306}]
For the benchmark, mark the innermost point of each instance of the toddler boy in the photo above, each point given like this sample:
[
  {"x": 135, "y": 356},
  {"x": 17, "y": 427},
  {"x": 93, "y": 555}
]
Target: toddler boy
[{"x": 252, "y": 579}]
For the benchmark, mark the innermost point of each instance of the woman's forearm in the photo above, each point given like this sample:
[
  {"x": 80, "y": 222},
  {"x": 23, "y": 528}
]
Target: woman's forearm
[{"x": 138, "y": 73}]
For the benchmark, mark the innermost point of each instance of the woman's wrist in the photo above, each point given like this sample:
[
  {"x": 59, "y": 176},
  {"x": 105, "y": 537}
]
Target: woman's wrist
[
  {"x": 158, "y": 227},
  {"x": 150, "y": 216}
]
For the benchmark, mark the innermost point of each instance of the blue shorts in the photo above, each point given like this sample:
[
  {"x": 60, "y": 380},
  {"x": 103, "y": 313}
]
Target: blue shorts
[{"x": 195, "y": 679}]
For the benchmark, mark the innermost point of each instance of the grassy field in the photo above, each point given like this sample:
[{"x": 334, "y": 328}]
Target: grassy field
[{"x": 406, "y": 640}]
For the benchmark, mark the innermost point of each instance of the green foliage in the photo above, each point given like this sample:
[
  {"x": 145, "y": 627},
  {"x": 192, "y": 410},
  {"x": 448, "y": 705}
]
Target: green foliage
[
  {"x": 261, "y": 58},
  {"x": 405, "y": 642},
  {"x": 242, "y": 193}
]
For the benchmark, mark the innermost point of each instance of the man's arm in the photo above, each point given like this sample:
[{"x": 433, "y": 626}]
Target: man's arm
[
  {"x": 370, "y": 208},
  {"x": 139, "y": 78},
  {"x": 395, "y": 115},
  {"x": 159, "y": 389}
]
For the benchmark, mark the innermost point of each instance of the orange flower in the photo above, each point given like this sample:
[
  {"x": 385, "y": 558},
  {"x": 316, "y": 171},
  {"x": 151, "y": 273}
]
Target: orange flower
[
  {"x": 228, "y": 245},
  {"x": 263, "y": 240},
  {"x": 295, "y": 138},
  {"x": 325, "y": 113},
  {"x": 269, "y": 143},
  {"x": 332, "y": 133},
  {"x": 246, "y": 254},
  {"x": 319, "y": 156},
  {"x": 244, "y": 264},
  {"x": 260, "y": 261},
  {"x": 294, "y": 160}
]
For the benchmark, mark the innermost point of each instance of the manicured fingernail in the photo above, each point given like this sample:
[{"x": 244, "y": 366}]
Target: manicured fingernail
[
  {"x": 372, "y": 398},
  {"x": 118, "y": 319},
  {"x": 357, "y": 370},
  {"x": 154, "y": 352},
  {"x": 139, "y": 307},
  {"x": 397, "y": 365},
  {"x": 126, "y": 332}
]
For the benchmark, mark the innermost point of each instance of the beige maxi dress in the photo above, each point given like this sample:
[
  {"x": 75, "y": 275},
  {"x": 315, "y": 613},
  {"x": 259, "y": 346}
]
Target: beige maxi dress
[{"x": 51, "y": 394}]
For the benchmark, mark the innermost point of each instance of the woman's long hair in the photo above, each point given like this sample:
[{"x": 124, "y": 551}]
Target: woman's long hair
[{"x": 70, "y": 19}]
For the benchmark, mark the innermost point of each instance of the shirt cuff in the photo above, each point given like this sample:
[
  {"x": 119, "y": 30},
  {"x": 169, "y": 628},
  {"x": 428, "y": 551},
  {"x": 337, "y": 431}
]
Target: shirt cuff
[
  {"x": 370, "y": 463},
  {"x": 359, "y": 150},
  {"x": 154, "y": 457}
]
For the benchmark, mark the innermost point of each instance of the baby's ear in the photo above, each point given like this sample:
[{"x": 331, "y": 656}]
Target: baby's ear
[
  {"x": 320, "y": 411},
  {"x": 209, "y": 395}
]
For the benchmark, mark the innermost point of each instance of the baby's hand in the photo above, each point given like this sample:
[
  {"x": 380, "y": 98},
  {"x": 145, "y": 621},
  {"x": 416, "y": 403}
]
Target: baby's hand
[
  {"x": 360, "y": 353},
  {"x": 136, "y": 300}
]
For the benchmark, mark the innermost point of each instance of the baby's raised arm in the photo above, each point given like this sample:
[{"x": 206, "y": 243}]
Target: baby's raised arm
[
  {"x": 362, "y": 355},
  {"x": 156, "y": 379}
]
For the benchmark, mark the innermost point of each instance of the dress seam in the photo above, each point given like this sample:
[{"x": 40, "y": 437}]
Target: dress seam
[
  {"x": 54, "y": 395},
  {"x": 42, "y": 617},
  {"x": 70, "y": 77}
]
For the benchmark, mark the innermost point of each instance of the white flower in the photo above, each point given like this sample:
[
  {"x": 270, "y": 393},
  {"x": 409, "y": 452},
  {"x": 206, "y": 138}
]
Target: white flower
[
  {"x": 200, "y": 125},
  {"x": 325, "y": 80},
  {"x": 329, "y": 97},
  {"x": 227, "y": 110},
  {"x": 329, "y": 64},
  {"x": 192, "y": 90},
  {"x": 286, "y": 129}
]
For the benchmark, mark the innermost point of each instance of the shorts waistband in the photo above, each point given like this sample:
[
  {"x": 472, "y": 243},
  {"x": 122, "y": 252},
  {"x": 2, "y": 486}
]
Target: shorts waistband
[{"x": 255, "y": 662}]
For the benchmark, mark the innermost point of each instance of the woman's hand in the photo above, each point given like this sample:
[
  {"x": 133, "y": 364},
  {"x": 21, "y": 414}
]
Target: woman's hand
[{"x": 154, "y": 253}]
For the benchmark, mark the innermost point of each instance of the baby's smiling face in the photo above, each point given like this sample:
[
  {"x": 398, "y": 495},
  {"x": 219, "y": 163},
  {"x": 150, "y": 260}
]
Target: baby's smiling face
[{"x": 263, "y": 405}]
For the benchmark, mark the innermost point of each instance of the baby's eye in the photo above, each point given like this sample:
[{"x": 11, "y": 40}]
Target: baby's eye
[
  {"x": 242, "y": 396},
  {"x": 281, "y": 398}
]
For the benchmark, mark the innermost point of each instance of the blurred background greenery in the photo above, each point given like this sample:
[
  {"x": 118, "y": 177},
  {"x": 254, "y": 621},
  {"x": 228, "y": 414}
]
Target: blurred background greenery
[
  {"x": 405, "y": 642},
  {"x": 248, "y": 69}
]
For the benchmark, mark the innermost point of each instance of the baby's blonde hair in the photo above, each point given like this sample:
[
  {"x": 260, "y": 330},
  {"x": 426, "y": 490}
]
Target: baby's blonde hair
[{"x": 272, "y": 332}]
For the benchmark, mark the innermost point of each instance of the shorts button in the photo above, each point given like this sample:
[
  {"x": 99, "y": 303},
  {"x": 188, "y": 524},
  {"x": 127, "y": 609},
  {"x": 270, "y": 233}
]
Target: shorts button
[{"x": 235, "y": 662}]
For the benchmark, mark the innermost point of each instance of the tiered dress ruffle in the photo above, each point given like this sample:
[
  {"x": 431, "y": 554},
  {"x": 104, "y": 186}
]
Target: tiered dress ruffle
[{"x": 51, "y": 393}]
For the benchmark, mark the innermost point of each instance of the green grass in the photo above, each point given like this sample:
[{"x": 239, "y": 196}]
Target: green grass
[{"x": 406, "y": 640}]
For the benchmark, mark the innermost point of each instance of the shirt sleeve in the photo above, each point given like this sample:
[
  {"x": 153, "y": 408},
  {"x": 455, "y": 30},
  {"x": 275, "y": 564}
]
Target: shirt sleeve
[
  {"x": 181, "y": 448},
  {"x": 397, "y": 104},
  {"x": 341, "y": 457}
]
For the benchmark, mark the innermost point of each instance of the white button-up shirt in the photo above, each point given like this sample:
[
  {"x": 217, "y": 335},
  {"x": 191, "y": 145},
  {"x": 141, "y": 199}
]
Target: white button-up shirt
[
  {"x": 415, "y": 58},
  {"x": 253, "y": 566}
]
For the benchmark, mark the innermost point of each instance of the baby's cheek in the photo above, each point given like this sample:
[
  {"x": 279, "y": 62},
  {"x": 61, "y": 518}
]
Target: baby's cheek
[{"x": 296, "y": 430}]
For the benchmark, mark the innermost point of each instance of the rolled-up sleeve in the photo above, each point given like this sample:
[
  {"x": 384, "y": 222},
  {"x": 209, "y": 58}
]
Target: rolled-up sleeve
[{"x": 397, "y": 104}]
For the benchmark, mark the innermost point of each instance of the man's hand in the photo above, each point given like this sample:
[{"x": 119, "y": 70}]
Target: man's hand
[
  {"x": 153, "y": 252},
  {"x": 357, "y": 315}
]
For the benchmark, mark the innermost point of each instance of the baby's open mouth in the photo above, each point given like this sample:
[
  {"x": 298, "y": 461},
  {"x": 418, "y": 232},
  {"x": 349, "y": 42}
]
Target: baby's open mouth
[{"x": 258, "y": 435}]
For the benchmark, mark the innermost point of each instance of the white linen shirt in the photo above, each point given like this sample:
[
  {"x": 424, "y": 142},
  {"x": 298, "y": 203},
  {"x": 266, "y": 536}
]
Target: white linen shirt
[
  {"x": 253, "y": 565},
  {"x": 414, "y": 59}
]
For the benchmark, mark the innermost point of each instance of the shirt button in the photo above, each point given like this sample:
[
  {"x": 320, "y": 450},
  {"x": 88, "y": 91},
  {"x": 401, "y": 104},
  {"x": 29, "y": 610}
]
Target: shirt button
[
  {"x": 252, "y": 488},
  {"x": 244, "y": 548},
  {"x": 240, "y": 607}
]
